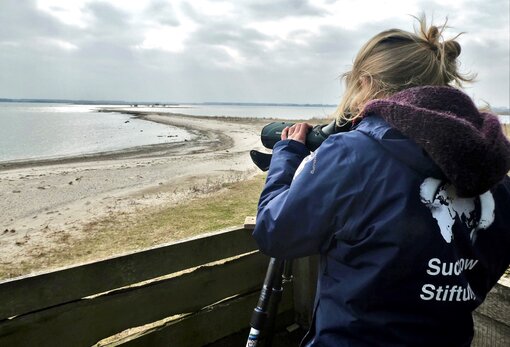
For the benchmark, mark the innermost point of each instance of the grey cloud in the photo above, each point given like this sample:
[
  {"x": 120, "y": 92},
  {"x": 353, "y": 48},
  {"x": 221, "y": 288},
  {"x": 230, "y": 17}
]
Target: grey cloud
[
  {"x": 111, "y": 24},
  {"x": 488, "y": 53},
  {"x": 261, "y": 10},
  {"x": 37, "y": 68},
  {"x": 21, "y": 22},
  {"x": 285, "y": 8},
  {"x": 162, "y": 12},
  {"x": 222, "y": 32},
  {"x": 333, "y": 47},
  {"x": 257, "y": 48},
  {"x": 335, "y": 41},
  {"x": 191, "y": 12},
  {"x": 302, "y": 68},
  {"x": 110, "y": 38},
  {"x": 490, "y": 60},
  {"x": 475, "y": 15},
  {"x": 301, "y": 47},
  {"x": 249, "y": 42},
  {"x": 107, "y": 16},
  {"x": 302, "y": 65},
  {"x": 32, "y": 28},
  {"x": 213, "y": 34}
]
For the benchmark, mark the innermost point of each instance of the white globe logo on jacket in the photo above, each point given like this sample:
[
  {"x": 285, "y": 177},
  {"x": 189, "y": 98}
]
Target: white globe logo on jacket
[{"x": 444, "y": 204}]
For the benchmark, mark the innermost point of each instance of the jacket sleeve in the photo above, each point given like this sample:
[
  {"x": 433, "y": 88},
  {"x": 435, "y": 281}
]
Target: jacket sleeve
[{"x": 298, "y": 213}]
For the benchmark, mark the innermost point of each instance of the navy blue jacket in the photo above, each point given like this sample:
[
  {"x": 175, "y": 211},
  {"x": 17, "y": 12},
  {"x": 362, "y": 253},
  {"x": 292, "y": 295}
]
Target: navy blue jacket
[{"x": 404, "y": 262}]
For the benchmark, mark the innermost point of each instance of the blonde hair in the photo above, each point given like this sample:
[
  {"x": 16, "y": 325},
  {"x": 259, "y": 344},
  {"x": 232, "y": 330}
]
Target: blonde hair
[{"x": 395, "y": 60}]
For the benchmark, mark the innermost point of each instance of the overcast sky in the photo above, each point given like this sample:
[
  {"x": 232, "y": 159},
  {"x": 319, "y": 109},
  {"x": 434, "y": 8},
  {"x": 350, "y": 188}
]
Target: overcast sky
[{"x": 212, "y": 50}]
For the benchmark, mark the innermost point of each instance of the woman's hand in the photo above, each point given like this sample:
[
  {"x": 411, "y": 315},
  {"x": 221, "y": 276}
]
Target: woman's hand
[{"x": 297, "y": 132}]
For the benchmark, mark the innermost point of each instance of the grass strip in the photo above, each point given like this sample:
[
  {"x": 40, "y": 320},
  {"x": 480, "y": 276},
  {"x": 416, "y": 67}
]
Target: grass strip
[{"x": 127, "y": 232}]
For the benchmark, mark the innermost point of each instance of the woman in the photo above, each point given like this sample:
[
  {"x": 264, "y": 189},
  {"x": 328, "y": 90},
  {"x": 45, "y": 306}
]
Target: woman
[{"x": 410, "y": 211}]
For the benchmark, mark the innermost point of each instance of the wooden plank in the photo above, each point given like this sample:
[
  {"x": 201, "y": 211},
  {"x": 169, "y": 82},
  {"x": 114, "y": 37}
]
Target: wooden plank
[
  {"x": 35, "y": 292},
  {"x": 497, "y": 304},
  {"x": 206, "y": 326},
  {"x": 87, "y": 321},
  {"x": 490, "y": 332},
  {"x": 249, "y": 223},
  {"x": 305, "y": 272}
]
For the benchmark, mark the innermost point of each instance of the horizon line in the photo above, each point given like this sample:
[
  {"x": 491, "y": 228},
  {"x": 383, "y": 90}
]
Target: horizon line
[
  {"x": 124, "y": 102},
  {"x": 169, "y": 103}
]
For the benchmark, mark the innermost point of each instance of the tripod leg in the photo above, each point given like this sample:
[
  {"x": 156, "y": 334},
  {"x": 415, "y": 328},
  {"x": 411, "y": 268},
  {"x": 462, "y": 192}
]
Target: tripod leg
[
  {"x": 287, "y": 272},
  {"x": 276, "y": 298},
  {"x": 263, "y": 309}
]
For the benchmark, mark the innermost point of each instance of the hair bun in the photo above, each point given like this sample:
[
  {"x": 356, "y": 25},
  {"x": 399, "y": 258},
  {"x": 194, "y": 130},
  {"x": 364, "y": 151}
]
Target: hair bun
[
  {"x": 451, "y": 49},
  {"x": 432, "y": 37}
]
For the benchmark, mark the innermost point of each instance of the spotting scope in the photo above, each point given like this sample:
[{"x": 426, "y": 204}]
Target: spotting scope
[{"x": 272, "y": 132}]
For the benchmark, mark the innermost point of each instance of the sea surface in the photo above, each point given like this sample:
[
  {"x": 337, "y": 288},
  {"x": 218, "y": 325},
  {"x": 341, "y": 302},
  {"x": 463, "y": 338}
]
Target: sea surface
[
  {"x": 31, "y": 131},
  {"x": 42, "y": 131}
]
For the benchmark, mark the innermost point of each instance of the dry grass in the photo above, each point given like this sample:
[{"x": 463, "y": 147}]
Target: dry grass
[{"x": 126, "y": 232}]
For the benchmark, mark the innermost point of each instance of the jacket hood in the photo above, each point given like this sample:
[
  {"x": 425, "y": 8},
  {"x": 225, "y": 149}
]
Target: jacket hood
[{"x": 467, "y": 145}]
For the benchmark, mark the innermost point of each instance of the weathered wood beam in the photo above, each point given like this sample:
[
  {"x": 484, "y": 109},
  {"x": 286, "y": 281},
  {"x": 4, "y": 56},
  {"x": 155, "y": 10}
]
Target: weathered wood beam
[
  {"x": 84, "y": 322},
  {"x": 38, "y": 291}
]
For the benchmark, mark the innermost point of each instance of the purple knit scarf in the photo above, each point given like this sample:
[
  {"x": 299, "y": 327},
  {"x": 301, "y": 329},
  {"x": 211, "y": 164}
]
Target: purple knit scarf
[{"x": 468, "y": 146}]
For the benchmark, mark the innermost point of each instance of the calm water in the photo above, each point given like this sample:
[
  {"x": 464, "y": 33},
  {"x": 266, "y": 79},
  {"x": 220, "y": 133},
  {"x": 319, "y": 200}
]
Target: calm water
[{"x": 38, "y": 131}]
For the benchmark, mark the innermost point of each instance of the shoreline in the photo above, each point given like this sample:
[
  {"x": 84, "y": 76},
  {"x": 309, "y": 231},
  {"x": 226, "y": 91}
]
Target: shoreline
[
  {"x": 50, "y": 202},
  {"x": 145, "y": 151},
  {"x": 138, "y": 151}
]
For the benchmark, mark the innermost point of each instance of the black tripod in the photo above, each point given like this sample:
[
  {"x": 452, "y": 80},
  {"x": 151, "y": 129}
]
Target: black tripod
[{"x": 263, "y": 317}]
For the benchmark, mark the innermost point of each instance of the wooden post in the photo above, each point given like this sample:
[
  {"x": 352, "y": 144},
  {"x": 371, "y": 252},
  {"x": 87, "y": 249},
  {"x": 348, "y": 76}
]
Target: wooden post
[
  {"x": 305, "y": 272},
  {"x": 492, "y": 318}
]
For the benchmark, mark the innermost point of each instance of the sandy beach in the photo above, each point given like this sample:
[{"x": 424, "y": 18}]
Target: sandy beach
[{"x": 43, "y": 200}]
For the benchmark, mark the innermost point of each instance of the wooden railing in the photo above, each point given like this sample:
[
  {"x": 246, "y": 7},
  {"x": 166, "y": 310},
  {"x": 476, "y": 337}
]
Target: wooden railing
[
  {"x": 212, "y": 292},
  {"x": 492, "y": 318},
  {"x": 189, "y": 293}
]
